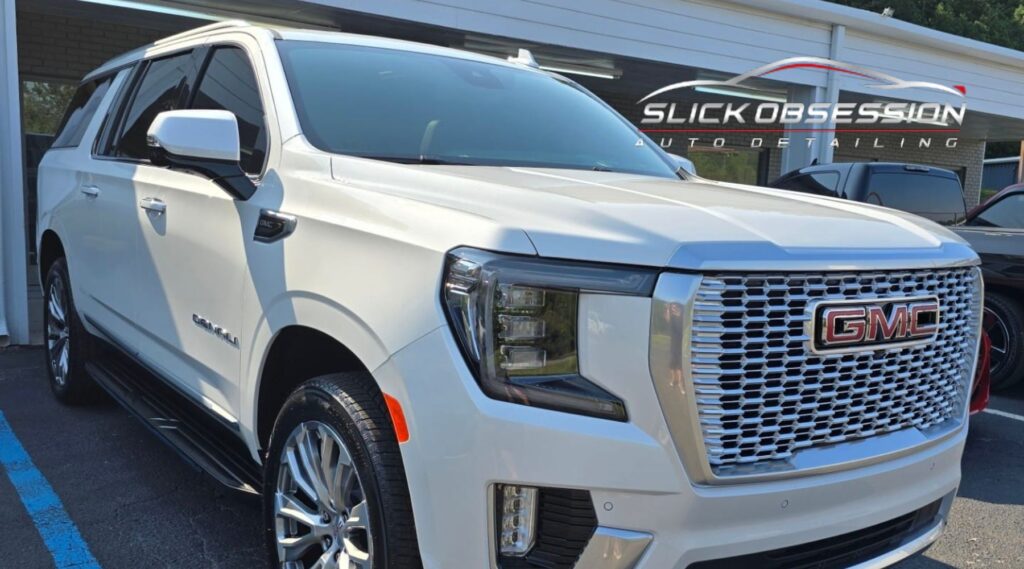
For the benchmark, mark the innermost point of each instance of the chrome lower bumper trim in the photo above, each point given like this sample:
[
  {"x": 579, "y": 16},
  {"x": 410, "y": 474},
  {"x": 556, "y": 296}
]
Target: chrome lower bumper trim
[
  {"x": 611, "y": 548},
  {"x": 906, "y": 550}
]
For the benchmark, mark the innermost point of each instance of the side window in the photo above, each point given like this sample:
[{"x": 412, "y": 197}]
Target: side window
[
  {"x": 1007, "y": 213},
  {"x": 229, "y": 84},
  {"x": 820, "y": 183},
  {"x": 80, "y": 112},
  {"x": 159, "y": 90}
]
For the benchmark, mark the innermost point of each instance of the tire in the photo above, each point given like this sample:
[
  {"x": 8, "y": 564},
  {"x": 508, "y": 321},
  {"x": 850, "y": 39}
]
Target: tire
[
  {"x": 67, "y": 341},
  {"x": 1005, "y": 324},
  {"x": 349, "y": 409}
]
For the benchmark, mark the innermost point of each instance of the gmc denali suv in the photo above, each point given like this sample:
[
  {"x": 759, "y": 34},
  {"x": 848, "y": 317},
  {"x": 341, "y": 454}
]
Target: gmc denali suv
[{"x": 441, "y": 309}]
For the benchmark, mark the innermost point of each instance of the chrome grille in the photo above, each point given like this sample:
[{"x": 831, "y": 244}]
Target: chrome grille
[{"x": 762, "y": 394}]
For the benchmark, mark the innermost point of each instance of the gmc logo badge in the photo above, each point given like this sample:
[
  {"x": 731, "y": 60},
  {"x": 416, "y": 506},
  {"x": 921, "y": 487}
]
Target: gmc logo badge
[{"x": 855, "y": 325}]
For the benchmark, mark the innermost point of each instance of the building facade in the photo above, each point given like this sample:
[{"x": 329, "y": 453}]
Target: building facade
[{"x": 619, "y": 49}]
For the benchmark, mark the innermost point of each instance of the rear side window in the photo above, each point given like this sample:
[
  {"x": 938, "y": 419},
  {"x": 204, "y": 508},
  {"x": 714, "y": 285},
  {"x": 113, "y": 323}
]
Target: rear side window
[
  {"x": 229, "y": 84},
  {"x": 820, "y": 183},
  {"x": 938, "y": 198},
  {"x": 159, "y": 90},
  {"x": 1007, "y": 213},
  {"x": 80, "y": 112}
]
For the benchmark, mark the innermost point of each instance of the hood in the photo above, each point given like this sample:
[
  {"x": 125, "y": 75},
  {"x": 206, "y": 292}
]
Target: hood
[{"x": 700, "y": 225}]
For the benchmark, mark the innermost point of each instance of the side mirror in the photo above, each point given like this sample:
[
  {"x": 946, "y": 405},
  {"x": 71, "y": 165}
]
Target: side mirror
[
  {"x": 685, "y": 164},
  {"x": 204, "y": 142}
]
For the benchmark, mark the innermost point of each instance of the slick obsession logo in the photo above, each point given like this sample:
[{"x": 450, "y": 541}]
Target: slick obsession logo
[
  {"x": 766, "y": 111},
  {"x": 857, "y": 325}
]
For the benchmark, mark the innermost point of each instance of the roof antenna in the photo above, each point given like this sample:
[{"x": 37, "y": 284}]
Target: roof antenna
[{"x": 524, "y": 58}]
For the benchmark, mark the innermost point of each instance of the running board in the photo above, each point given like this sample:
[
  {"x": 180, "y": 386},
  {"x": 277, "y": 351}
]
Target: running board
[{"x": 199, "y": 437}]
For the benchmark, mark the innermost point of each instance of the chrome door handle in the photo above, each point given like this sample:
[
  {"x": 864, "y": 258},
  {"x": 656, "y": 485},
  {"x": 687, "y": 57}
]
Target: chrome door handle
[
  {"x": 90, "y": 191},
  {"x": 153, "y": 205}
]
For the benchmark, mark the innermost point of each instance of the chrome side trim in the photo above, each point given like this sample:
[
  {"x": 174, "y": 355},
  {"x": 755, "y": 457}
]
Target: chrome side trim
[
  {"x": 906, "y": 550},
  {"x": 761, "y": 256},
  {"x": 611, "y": 548}
]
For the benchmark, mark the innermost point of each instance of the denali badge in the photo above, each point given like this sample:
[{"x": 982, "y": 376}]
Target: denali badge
[
  {"x": 215, "y": 329},
  {"x": 852, "y": 325}
]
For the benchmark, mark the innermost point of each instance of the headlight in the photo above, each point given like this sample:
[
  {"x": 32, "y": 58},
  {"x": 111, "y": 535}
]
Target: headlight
[{"x": 516, "y": 320}]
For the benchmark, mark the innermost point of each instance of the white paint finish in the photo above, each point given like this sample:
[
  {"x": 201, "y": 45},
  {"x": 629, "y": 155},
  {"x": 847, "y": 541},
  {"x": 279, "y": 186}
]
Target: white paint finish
[
  {"x": 364, "y": 266},
  {"x": 627, "y": 464},
  {"x": 197, "y": 134},
  {"x": 105, "y": 236},
  {"x": 13, "y": 277}
]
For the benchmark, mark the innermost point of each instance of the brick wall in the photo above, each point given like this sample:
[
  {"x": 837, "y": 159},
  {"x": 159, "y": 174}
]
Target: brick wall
[{"x": 52, "y": 46}]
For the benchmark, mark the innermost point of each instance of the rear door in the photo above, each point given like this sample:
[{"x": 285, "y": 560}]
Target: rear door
[
  {"x": 192, "y": 257},
  {"x": 120, "y": 158},
  {"x": 88, "y": 213}
]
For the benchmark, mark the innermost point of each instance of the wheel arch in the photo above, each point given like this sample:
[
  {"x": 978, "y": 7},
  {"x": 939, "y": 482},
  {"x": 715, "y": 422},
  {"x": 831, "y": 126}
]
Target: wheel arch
[
  {"x": 50, "y": 249},
  {"x": 296, "y": 354}
]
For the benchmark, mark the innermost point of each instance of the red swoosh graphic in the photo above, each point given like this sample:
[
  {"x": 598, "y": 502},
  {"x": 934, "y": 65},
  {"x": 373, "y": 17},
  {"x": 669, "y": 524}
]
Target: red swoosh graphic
[{"x": 815, "y": 66}]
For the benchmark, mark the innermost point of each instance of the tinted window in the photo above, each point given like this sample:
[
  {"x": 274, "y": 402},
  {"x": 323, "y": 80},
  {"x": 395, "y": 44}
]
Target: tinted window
[
  {"x": 938, "y": 198},
  {"x": 229, "y": 84},
  {"x": 416, "y": 107},
  {"x": 159, "y": 90},
  {"x": 821, "y": 183},
  {"x": 80, "y": 112},
  {"x": 1007, "y": 213}
]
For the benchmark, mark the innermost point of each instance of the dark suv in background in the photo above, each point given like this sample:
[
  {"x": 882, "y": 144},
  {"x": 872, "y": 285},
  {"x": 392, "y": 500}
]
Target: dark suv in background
[
  {"x": 930, "y": 192},
  {"x": 994, "y": 229}
]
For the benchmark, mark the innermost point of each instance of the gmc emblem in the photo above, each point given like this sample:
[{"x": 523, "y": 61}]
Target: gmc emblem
[{"x": 855, "y": 325}]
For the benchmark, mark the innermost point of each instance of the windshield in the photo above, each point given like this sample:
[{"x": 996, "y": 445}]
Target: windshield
[{"x": 423, "y": 108}]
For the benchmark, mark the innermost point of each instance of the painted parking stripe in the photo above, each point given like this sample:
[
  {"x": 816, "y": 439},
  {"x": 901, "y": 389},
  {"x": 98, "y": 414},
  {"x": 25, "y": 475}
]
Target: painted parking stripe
[
  {"x": 1005, "y": 414},
  {"x": 44, "y": 507}
]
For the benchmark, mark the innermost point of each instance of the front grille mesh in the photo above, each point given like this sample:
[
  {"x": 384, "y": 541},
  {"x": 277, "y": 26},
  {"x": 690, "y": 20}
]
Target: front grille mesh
[{"x": 762, "y": 394}]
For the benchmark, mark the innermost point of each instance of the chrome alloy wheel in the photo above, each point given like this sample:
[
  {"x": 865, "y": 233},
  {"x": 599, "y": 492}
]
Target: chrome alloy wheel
[
  {"x": 999, "y": 335},
  {"x": 320, "y": 513},
  {"x": 58, "y": 330}
]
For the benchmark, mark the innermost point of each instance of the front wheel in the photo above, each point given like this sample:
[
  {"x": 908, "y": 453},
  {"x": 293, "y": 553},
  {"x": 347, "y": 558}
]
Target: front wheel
[
  {"x": 1004, "y": 322},
  {"x": 66, "y": 340},
  {"x": 335, "y": 493}
]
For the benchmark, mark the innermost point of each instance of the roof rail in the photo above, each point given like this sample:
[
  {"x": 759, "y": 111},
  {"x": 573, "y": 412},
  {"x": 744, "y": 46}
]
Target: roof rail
[{"x": 202, "y": 30}]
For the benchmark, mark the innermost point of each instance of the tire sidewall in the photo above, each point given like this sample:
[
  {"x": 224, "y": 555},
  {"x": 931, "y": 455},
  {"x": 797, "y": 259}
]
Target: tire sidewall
[
  {"x": 1010, "y": 313},
  {"x": 75, "y": 383},
  {"x": 309, "y": 403}
]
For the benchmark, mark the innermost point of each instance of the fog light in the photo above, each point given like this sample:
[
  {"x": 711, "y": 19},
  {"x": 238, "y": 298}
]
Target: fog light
[{"x": 518, "y": 518}]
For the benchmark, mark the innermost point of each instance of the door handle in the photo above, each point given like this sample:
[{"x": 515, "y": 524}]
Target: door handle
[
  {"x": 90, "y": 191},
  {"x": 153, "y": 205}
]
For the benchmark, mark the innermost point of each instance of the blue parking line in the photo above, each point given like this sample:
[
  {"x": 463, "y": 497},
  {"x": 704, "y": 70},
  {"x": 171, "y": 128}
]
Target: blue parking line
[{"x": 44, "y": 507}]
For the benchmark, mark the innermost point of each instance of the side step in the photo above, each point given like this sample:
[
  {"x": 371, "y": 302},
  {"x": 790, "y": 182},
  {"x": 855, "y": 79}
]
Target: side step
[{"x": 205, "y": 441}]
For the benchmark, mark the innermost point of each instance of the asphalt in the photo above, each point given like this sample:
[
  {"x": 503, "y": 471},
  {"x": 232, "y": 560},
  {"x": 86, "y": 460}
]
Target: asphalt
[{"x": 137, "y": 504}]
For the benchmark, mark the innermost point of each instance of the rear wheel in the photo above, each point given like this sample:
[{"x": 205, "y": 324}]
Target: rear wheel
[
  {"x": 335, "y": 492},
  {"x": 1004, "y": 322},
  {"x": 66, "y": 340}
]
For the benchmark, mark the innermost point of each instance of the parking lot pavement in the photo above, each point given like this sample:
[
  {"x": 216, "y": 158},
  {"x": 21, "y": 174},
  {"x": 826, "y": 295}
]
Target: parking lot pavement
[{"x": 137, "y": 504}]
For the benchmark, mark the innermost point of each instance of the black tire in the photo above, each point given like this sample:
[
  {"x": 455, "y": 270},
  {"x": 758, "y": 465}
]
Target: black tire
[
  {"x": 353, "y": 406},
  {"x": 1008, "y": 330},
  {"x": 72, "y": 386}
]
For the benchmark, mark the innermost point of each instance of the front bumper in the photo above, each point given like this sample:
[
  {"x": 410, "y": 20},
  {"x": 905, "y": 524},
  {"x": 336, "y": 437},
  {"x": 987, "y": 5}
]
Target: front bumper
[{"x": 462, "y": 443}]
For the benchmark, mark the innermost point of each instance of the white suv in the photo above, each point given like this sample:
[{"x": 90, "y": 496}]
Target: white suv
[{"x": 443, "y": 309}]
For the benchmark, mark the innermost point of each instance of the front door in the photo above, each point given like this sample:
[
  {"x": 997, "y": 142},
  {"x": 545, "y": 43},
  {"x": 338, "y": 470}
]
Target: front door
[{"x": 191, "y": 262}]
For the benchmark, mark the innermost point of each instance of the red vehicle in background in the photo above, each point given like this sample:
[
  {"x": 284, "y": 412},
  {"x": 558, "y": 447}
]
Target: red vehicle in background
[{"x": 982, "y": 384}]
